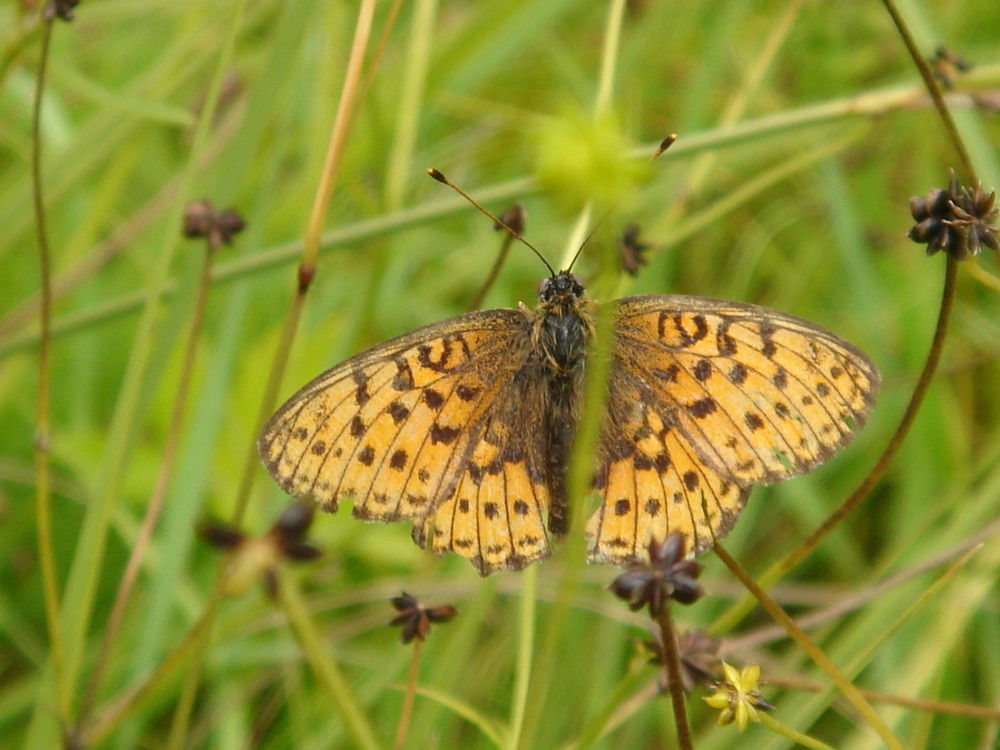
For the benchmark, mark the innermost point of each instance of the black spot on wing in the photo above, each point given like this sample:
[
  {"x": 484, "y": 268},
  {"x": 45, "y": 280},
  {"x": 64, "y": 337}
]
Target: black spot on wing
[
  {"x": 738, "y": 373},
  {"x": 432, "y": 398},
  {"x": 466, "y": 392},
  {"x": 702, "y": 407},
  {"x": 703, "y": 370},
  {"x": 398, "y": 412}
]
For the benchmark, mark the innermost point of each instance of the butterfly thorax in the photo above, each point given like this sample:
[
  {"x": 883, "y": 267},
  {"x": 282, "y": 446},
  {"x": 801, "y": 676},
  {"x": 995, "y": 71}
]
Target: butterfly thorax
[{"x": 563, "y": 325}]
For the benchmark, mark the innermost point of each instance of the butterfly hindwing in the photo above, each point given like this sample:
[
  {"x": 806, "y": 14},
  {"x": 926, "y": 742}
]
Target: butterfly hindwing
[
  {"x": 654, "y": 482},
  {"x": 495, "y": 517}
]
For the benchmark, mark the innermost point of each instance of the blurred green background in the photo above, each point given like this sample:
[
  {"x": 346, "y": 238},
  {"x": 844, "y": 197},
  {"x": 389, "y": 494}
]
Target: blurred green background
[{"x": 804, "y": 129}]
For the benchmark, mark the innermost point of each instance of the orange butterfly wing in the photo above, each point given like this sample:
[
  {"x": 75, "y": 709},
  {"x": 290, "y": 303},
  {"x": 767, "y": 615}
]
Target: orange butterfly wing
[
  {"x": 708, "y": 397},
  {"x": 430, "y": 425},
  {"x": 495, "y": 515}
]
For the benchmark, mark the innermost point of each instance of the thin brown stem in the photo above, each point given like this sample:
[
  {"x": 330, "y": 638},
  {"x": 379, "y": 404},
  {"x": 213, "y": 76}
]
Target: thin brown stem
[
  {"x": 310, "y": 250},
  {"x": 937, "y": 707},
  {"x": 338, "y": 136},
  {"x": 306, "y": 272},
  {"x": 411, "y": 690},
  {"x": 676, "y": 685},
  {"x": 937, "y": 96},
  {"x": 851, "y": 693},
  {"x": 857, "y": 599},
  {"x": 491, "y": 277}
]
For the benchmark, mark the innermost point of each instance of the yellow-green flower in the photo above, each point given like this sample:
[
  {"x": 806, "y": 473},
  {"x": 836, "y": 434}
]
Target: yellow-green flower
[{"x": 738, "y": 697}]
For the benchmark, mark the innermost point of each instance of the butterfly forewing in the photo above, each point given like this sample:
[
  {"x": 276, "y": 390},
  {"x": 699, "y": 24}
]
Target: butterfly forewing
[
  {"x": 428, "y": 426},
  {"x": 761, "y": 395},
  {"x": 495, "y": 517},
  {"x": 398, "y": 417}
]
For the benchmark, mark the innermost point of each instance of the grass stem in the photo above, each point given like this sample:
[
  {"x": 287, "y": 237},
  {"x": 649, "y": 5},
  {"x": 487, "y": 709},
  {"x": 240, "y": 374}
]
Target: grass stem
[
  {"x": 411, "y": 691},
  {"x": 43, "y": 437}
]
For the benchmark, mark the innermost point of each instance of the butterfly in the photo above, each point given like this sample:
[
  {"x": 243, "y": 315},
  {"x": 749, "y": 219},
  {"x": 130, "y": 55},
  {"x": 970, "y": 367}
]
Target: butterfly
[{"x": 466, "y": 426}]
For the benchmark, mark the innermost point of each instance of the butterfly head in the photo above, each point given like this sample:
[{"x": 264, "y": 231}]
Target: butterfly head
[{"x": 563, "y": 290}]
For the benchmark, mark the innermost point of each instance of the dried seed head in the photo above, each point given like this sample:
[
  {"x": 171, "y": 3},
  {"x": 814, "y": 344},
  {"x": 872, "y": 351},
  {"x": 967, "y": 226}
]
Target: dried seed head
[
  {"x": 958, "y": 220},
  {"x": 416, "y": 619},
  {"x": 699, "y": 658},
  {"x": 948, "y": 66},
  {"x": 62, "y": 9},
  {"x": 254, "y": 558},
  {"x": 667, "y": 575},
  {"x": 633, "y": 252},
  {"x": 512, "y": 218},
  {"x": 201, "y": 219}
]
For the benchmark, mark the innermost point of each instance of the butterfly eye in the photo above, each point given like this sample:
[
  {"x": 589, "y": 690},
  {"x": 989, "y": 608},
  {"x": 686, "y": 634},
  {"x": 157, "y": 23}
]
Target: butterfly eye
[
  {"x": 543, "y": 287},
  {"x": 578, "y": 286}
]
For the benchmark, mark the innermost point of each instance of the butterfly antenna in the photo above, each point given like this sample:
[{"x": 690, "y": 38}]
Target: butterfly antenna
[
  {"x": 439, "y": 176},
  {"x": 664, "y": 145}
]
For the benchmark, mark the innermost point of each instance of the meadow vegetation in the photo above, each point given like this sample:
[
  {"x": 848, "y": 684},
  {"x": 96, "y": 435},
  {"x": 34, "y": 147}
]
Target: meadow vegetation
[{"x": 804, "y": 129}]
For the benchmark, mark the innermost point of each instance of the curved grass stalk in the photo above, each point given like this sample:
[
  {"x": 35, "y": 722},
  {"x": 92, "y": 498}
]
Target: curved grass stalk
[{"x": 43, "y": 437}]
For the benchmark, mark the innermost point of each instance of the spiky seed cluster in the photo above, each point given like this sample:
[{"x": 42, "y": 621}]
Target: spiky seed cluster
[
  {"x": 699, "y": 658},
  {"x": 202, "y": 219},
  {"x": 738, "y": 696},
  {"x": 513, "y": 218},
  {"x": 633, "y": 251},
  {"x": 666, "y": 576},
  {"x": 948, "y": 66},
  {"x": 415, "y": 618},
  {"x": 958, "y": 220},
  {"x": 61, "y": 9},
  {"x": 258, "y": 557}
]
